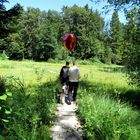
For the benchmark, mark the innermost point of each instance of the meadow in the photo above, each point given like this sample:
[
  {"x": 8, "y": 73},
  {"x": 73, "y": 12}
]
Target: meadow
[{"x": 108, "y": 107}]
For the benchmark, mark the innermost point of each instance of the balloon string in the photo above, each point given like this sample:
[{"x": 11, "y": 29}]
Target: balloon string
[{"x": 71, "y": 55}]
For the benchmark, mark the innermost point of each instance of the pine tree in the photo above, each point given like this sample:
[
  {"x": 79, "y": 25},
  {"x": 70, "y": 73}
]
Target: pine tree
[
  {"x": 7, "y": 16},
  {"x": 133, "y": 41},
  {"x": 48, "y": 44},
  {"x": 116, "y": 38}
]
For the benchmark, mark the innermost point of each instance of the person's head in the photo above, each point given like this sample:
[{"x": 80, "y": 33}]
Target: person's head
[{"x": 67, "y": 63}]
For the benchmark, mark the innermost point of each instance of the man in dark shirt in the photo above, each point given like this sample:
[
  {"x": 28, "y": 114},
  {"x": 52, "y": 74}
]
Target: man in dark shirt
[{"x": 64, "y": 78}]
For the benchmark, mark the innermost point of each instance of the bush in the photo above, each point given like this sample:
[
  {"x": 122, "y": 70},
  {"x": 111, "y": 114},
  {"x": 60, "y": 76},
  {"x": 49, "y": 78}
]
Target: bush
[
  {"x": 84, "y": 62},
  {"x": 5, "y": 110},
  {"x": 2, "y": 85},
  {"x": 3, "y": 56},
  {"x": 90, "y": 61},
  {"x": 106, "y": 119},
  {"x": 50, "y": 60},
  {"x": 31, "y": 113},
  {"x": 95, "y": 60}
]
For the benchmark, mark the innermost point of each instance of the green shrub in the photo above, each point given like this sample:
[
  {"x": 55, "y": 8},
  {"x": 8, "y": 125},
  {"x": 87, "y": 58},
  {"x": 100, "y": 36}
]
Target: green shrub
[
  {"x": 5, "y": 110},
  {"x": 106, "y": 119},
  {"x": 32, "y": 113},
  {"x": 95, "y": 60},
  {"x": 2, "y": 85},
  {"x": 50, "y": 60},
  {"x": 3, "y": 56},
  {"x": 84, "y": 62}
]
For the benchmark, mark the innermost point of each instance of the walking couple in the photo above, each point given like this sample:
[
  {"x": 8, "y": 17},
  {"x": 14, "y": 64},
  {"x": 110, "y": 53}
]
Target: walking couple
[{"x": 69, "y": 77}]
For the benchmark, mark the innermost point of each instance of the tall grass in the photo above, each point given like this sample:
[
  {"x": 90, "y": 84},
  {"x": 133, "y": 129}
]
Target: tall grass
[
  {"x": 106, "y": 119},
  {"x": 33, "y": 99},
  {"x": 33, "y": 86},
  {"x": 30, "y": 113},
  {"x": 103, "y": 112}
]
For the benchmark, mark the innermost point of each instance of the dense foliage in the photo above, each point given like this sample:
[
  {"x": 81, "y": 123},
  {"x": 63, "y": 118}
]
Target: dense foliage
[
  {"x": 7, "y": 18},
  {"x": 121, "y": 3},
  {"x": 34, "y": 34},
  {"x": 133, "y": 43},
  {"x": 27, "y": 101},
  {"x": 127, "y": 38},
  {"x": 37, "y": 35},
  {"x": 26, "y": 110}
]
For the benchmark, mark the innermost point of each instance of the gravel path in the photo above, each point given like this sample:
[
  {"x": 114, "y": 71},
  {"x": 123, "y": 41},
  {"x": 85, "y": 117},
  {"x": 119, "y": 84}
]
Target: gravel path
[{"x": 66, "y": 126}]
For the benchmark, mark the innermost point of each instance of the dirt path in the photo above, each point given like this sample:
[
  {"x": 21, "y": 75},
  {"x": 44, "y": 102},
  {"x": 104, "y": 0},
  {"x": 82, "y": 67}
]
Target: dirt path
[{"x": 66, "y": 126}]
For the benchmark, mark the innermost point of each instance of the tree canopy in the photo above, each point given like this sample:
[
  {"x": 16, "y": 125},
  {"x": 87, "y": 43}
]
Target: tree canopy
[
  {"x": 35, "y": 34},
  {"x": 6, "y": 17}
]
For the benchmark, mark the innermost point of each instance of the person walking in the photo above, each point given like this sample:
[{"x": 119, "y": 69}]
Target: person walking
[
  {"x": 63, "y": 76},
  {"x": 74, "y": 76}
]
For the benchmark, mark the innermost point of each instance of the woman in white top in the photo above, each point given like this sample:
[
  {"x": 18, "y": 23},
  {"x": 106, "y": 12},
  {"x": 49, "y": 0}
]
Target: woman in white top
[{"x": 74, "y": 76}]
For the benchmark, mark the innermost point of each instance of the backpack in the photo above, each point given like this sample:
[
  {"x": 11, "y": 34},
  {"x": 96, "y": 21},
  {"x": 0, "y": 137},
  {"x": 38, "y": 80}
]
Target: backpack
[{"x": 65, "y": 72}]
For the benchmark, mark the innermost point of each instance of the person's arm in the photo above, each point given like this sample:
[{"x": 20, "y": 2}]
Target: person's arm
[
  {"x": 61, "y": 73},
  {"x": 79, "y": 76},
  {"x": 68, "y": 72}
]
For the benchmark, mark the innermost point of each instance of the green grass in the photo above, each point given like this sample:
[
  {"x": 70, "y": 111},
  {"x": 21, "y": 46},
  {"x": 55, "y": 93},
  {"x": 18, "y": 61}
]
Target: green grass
[
  {"x": 33, "y": 99},
  {"x": 106, "y": 119},
  {"x": 102, "y": 108},
  {"x": 29, "y": 71}
]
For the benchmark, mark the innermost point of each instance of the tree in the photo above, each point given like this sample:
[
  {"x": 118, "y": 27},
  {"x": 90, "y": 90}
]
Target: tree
[
  {"x": 47, "y": 44},
  {"x": 133, "y": 37},
  {"x": 116, "y": 38},
  {"x": 8, "y": 20},
  {"x": 108, "y": 50},
  {"x": 133, "y": 40},
  {"x": 30, "y": 28},
  {"x": 120, "y": 3},
  {"x": 40, "y": 33},
  {"x": 15, "y": 46},
  {"x": 6, "y": 17},
  {"x": 87, "y": 26}
]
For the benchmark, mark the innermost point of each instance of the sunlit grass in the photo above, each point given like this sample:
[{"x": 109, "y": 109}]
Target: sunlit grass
[
  {"x": 104, "y": 118},
  {"x": 27, "y": 70},
  {"x": 97, "y": 81},
  {"x": 33, "y": 98},
  {"x": 33, "y": 73},
  {"x": 98, "y": 75},
  {"x": 30, "y": 72}
]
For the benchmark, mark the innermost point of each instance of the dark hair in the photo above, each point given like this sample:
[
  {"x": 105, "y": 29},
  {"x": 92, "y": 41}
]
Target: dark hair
[{"x": 67, "y": 63}]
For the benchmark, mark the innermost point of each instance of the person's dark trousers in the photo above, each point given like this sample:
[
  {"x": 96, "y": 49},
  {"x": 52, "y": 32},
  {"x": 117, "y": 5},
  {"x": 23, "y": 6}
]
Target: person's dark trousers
[
  {"x": 65, "y": 80},
  {"x": 73, "y": 87}
]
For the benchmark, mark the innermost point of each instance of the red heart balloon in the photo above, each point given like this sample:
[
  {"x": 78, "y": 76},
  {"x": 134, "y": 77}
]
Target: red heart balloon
[{"x": 69, "y": 41}]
